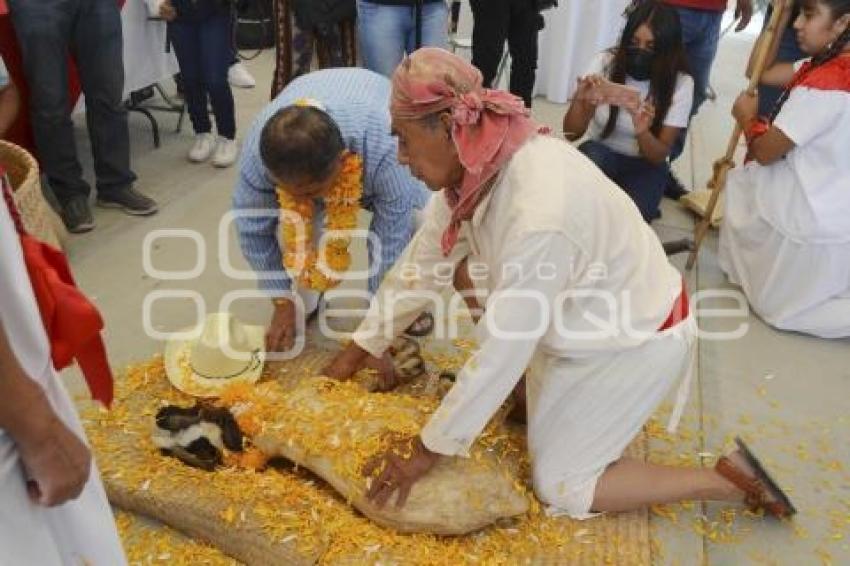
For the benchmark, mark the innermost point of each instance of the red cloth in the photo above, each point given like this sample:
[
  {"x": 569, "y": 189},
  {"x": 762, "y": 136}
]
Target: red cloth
[
  {"x": 756, "y": 129},
  {"x": 71, "y": 322},
  {"x": 679, "y": 312},
  {"x": 832, "y": 75},
  {"x": 709, "y": 5}
]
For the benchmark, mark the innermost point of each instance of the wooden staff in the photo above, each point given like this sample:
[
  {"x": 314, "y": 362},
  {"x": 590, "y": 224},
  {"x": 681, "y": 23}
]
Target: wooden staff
[{"x": 764, "y": 46}]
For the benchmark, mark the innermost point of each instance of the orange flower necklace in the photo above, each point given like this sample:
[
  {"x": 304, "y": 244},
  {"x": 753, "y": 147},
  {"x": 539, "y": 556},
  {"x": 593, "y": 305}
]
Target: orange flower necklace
[{"x": 300, "y": 258}]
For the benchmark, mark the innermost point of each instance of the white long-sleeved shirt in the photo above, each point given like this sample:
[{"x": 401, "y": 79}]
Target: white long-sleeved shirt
[{"x": 567, "y": 265}]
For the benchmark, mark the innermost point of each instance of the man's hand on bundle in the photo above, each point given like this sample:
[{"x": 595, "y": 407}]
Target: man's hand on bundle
[
  {"x": 405, "y": 463},
  {"x": 354, "y": 358}
]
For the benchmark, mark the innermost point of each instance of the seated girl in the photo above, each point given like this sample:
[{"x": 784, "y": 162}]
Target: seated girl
[
  {"x": 631, "y": 144},
  {"x": 785, "y": 237}
]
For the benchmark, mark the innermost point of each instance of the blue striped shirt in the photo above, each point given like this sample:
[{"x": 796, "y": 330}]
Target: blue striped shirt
[{"x": 358, "y": 101}]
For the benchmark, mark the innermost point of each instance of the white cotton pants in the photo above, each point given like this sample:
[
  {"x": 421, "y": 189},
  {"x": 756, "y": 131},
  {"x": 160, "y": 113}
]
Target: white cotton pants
[{"x": 584, "y": 412}]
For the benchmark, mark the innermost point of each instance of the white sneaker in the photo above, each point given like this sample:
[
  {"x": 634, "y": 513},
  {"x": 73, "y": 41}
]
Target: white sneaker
[
  {"x": 239, "y": 76},
  {"x": 226, "y": 152},
  {"x": 202, "y": 148}
]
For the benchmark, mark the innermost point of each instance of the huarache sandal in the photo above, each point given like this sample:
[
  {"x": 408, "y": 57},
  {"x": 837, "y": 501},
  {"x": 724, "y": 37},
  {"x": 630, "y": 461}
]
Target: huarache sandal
[
  {"x": 675, "y": 247},
  {"x": 761, "y": 493}
]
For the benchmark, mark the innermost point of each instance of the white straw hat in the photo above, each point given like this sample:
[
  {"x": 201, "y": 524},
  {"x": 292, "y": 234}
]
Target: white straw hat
[{"x": 223, "y": 352}]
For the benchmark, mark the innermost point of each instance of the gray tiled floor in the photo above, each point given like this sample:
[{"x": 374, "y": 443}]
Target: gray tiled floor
[{"x": 786, "y": 393}]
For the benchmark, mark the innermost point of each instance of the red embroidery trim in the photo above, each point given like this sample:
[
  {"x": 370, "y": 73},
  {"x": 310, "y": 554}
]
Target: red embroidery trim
[{"x": 71, "y": 322}]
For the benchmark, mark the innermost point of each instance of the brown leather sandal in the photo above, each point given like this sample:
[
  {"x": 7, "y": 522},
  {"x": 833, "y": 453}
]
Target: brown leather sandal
[{"x": 759, "y": 489}]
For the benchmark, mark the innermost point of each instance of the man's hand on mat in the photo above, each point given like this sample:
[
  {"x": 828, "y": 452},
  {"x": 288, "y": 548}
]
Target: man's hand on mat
[
  {"x": 280, "y": 335},
  {"x": 386, "y": 374},
  {"x": 398, "y": 470},
  {"x": 354, "y": 358}
]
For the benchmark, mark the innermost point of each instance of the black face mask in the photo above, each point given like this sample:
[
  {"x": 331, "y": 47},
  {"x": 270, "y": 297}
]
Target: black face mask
[{"x": 639, "y": 63}]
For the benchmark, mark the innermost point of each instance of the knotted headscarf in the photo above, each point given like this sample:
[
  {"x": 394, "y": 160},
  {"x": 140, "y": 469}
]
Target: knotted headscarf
[{"x": 488, "y": 126}]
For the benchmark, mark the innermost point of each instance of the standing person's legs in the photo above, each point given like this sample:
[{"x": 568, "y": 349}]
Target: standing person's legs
[
  {"x": 283, "y": 40},
  {"x": 383, "y": 35},
  {"x": 702, "y": 32},
  {"x": 701, "y": 36},
  {"x": 525, "y": 25},
  {"x": 238, "y": 74},
  {"x": 99, "y": 50},
  {"x": 213, "y": 35},
  {"x": 789, "y": 52},
  {"x": 489, "y": 32},
  {"x": 185, "y": 37},
  {"x": 435, "y": 27},
  {"x": 329, "y": 46},
  {"x": 44, "y": 33}
]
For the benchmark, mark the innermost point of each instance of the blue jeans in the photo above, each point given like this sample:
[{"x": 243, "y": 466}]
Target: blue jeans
[
  {"x": 388, "y": 32},
  {"x": 643, "y": 181},
  {"x": 91, "y": 30},
  {"x": 205, "y": 53},
  {"x": 701, "y": 35},
  {"x": 789, "y": 52}
]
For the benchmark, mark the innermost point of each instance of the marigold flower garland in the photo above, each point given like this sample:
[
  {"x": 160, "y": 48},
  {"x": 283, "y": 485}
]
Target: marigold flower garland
[{"x": 300, "y": 258}]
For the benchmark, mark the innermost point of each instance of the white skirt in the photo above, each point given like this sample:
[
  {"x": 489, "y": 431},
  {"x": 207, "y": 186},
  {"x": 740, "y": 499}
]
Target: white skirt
[
  {"x": 791, "y": 284},
  {"x": 584, "y": 412},
  {"x": 81, "y": 531}
]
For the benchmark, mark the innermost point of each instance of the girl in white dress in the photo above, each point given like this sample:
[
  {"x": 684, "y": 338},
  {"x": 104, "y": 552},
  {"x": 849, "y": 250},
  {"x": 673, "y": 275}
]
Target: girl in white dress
[{"x": 786, "y": 233}]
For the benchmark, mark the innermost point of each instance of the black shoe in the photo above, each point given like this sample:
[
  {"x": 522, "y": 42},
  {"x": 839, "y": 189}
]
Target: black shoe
[
  {"x": 674, "y": 188},
  {"x": 76, "y": 215},
  {"x": 679, "y": 246},
  {"x": 129, "y": 200}
]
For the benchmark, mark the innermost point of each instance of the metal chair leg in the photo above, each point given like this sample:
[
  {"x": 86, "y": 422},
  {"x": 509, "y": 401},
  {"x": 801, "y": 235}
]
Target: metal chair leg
[{"x": 154, "y": 125}]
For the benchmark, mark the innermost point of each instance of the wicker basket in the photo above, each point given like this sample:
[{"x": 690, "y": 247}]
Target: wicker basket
[{"x": 39, "y": 218}]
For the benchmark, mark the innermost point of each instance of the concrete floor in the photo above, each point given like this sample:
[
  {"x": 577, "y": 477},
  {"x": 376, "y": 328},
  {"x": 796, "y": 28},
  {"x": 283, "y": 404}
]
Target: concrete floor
[{"x": 786, "y": 393}]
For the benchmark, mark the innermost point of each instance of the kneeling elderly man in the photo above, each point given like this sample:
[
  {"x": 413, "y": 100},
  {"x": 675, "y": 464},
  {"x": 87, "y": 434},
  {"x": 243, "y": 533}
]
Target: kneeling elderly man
[{"x": 602, "y": 334}]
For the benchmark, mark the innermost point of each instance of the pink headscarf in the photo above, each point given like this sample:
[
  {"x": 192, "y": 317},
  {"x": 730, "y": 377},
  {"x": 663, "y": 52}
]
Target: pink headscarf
[{"x": 488, "y": 126}]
